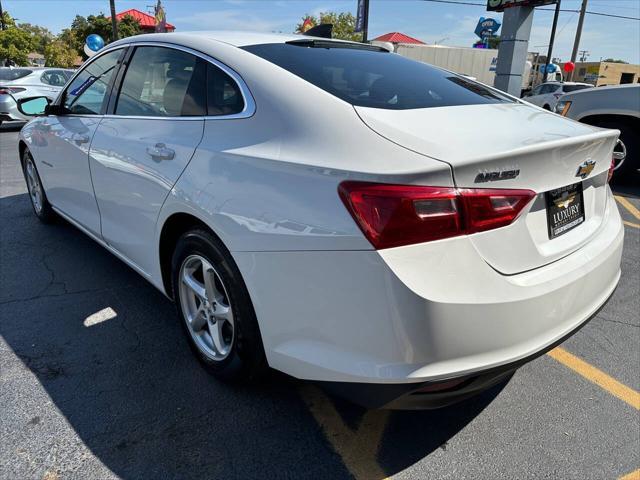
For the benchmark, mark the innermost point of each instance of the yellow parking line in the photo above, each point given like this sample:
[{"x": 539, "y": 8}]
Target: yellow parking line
[
  {"x": 628, "y": 205},
  {"x": 630, "y": 224},
  {"x": 631, "y": 476},
  {"x": 596, "y": 376},
  {"x": 357, "y": 448}
]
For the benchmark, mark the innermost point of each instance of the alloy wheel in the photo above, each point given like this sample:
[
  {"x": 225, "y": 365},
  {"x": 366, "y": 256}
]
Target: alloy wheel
[
  {"x": 34, "y": 187},
  {"x": 206, "y": 307}
]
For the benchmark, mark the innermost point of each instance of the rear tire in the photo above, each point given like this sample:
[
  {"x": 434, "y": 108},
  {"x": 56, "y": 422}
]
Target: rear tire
[
  {"x": 37, "y": 196},
  {"x": 547, "y": 107},
  {"x": 627, "y": 173},
  {"x": 215, "y": 308}
]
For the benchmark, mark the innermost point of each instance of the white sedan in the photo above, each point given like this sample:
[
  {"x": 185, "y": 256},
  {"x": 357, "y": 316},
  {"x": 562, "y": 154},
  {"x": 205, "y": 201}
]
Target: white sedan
[
  {"x": 547, "y": 94},
  {"x": 400, "y": 234},
  {"x": 26, "y": 82}
]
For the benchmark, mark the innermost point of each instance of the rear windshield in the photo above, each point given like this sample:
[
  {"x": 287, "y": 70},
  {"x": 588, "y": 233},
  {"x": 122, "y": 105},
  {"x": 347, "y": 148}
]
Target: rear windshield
[
  {"x": 14, "y": 73},
  {"x": 369, "y": 78},
  {"x": 573, "y": 88}
]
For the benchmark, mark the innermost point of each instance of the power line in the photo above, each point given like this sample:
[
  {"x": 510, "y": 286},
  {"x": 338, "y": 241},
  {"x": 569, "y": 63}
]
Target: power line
[{"x": 475, "y": 4}]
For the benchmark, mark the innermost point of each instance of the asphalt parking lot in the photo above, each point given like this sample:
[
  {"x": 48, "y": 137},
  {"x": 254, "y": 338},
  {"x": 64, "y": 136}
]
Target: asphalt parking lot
[{"x": 96, "y": 381}]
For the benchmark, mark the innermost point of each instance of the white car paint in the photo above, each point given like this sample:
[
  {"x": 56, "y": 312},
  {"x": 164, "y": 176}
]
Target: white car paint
[
  {"x": 547, "y": 94},
  {"x": 331, "y": 307}
]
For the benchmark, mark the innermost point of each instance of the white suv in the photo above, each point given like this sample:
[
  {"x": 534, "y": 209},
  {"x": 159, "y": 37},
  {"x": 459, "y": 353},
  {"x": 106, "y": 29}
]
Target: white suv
[{"x": 546, "y": 95}]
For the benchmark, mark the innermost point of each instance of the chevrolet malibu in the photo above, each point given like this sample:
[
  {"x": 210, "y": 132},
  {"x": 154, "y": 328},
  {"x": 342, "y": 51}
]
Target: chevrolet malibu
[{"x": 400, "y": 234}]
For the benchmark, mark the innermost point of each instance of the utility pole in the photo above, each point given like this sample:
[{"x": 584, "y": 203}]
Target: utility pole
[
  {"x": 365, "y": 29},
  {"x": 552, "y": 39},
  {"x": 583, "y": 55},
  {"x": 2, "y": 25},
  {"x": 114, "y": 21},
  {"x": 576, "y": 43}
]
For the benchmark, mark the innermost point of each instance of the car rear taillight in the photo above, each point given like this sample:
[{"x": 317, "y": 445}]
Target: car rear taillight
[
  {"x": 10, "y": 90},
  {"x": 612, "y": 169},
  {"x": 396, "y": 215}
]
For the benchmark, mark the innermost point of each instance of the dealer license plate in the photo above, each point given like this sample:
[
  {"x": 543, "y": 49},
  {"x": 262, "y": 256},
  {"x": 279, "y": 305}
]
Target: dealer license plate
[{"x": 565, "y": 209}]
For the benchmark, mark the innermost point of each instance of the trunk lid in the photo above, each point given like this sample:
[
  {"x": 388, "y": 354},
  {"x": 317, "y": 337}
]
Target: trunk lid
[{"x": 510, "y": 146}]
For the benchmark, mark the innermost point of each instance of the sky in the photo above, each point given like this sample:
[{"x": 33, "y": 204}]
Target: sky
[{"x": 429, "y": 21}]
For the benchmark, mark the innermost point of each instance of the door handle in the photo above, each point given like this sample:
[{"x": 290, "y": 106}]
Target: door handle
[{"x": 161, "y": 152}]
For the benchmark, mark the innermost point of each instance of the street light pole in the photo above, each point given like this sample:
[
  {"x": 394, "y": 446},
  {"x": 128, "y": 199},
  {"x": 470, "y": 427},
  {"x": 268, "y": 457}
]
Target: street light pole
[
  {"x": 576, "y": 43},
  {"x": 551, "y": 40},
  {"x": 114, "y": 21},
  {"x": 365, "y": 27}
]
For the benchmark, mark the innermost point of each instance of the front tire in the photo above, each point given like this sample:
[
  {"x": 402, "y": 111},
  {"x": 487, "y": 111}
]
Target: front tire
[
  {"x": 215, "y": 308},
  {"x": 41, "y": 206}
]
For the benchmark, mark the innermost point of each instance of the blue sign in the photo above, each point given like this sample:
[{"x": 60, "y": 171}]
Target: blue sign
[{"x": 486, "y": 27}]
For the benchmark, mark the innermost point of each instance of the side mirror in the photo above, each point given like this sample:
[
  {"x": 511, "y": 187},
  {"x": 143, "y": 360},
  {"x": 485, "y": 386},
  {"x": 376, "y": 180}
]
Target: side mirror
[{"x": 33, "y": 106}]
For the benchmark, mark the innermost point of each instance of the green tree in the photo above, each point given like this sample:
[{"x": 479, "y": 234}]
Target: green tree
[
  {"x": 128, "y": 27},
  {"x": 15, "y": 45},
  {"x": 60, "y": 54},
  {"x": 344, "y": 25},
  {"x": 40, "y": 36},
  {"x": 494, "y": 42},
  {"x": 82, "y": 27},
  {"x": 614, "y": 60}
]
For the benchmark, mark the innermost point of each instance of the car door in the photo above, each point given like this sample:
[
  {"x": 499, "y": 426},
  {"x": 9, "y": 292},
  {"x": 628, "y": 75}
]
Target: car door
[
  {"x": 144, "y": 143},
  {"x": 65, "y": 160},
  {"x": 546, "y": 94},
  {"x": 534, "y": 97}
]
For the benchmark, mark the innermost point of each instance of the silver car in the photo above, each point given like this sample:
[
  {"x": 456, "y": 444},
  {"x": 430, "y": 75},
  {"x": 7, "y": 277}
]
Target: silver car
[
  {"x": 23, "y": 82},
  {"x": 614, "y": 106}
]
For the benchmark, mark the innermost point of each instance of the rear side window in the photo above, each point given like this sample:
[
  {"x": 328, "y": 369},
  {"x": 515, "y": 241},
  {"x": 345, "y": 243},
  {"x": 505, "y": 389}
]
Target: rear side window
[
  {"x": 368, "y": 78},
  {"x": 9, "y": 74},
  {"x": 55, "y": 78},
  {"x": 163, "y": 82},
  {"x": 573, "y": 88},
  {"x": 223, "y": 93}
]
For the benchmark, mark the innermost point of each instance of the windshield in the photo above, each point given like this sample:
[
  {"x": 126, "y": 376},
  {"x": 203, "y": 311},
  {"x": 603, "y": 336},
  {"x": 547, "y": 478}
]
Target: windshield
[
  {"x": 369, "y": 78},
  {"x": 13, "y": 73}
]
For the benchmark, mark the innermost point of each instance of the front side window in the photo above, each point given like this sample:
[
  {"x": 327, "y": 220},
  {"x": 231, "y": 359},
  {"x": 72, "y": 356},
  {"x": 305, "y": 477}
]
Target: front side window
[
  {"x": 163, "y": 82},
  {"x": 369, "y": 78},
  {"x": 87, "y": 94}
]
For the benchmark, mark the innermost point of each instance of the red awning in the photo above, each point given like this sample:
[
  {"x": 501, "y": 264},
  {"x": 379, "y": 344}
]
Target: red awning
[
  {"x": 145, "y": 20},
  {"x": 397, "y": 37}
]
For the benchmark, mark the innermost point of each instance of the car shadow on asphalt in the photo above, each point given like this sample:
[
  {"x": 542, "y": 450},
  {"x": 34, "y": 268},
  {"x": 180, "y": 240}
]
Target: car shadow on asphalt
[{"x": 109, "y": 352}]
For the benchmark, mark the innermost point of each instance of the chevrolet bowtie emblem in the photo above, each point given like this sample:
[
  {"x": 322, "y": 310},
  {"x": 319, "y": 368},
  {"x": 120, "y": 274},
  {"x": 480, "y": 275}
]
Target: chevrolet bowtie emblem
[
  {"x": 566, "y": 200},
  {"x": 585, "y": 168}
]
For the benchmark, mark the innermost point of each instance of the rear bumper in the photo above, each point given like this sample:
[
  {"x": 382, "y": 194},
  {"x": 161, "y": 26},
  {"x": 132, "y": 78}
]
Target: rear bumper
[
  {"x": 438, "y": 394},
  {"x": 424, "y": 313}
]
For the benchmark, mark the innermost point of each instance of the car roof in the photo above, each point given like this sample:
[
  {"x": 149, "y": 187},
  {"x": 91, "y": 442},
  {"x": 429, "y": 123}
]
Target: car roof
[
  {"x": 607, "y": 87},
  {"x": 231, "y": 37}
]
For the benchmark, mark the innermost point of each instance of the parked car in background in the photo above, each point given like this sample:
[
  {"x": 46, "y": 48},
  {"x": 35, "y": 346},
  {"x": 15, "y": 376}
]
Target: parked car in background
[
  {"x": 546, "y": 95},
  {"x": 616, "y": 106},
  {"x": 23, "y": 82},
  {"x": 333, "y": 210}
]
